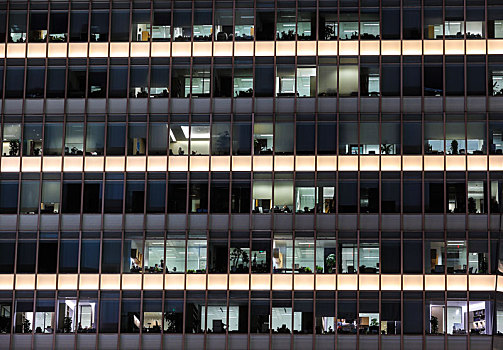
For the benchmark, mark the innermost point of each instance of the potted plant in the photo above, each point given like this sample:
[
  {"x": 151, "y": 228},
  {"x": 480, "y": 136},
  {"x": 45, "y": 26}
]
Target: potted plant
[
  {"x": 319, "y": 269},
  {"x": 386, "y": 148},
  {"x": 330, "y": 263},
  {"x": 472, "y": 206},
  {"x": 13, "y": 147},
  {"x": 67, "y": 324},
  {"x": 434, "y": 325},
  {"x": 454, "y": 147},
  {"x": 26, "y": 326}
]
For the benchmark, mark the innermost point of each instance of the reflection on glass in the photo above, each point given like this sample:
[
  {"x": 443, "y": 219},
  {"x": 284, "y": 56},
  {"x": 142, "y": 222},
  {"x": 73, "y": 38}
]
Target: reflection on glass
[
  {"x": 243, "y": 83},
  {"x": 306, "y": 82},
  {"x": 86, "y": 315},
  {"x": 244, "y": 28},
  {"x": 217, "y": 318},
  {"x": 196, "y": 256},
  {"x": 456, "y": 257},
  {"x": 326, "y": 256},
  {"x": 74, "y": 139},
  {"x": 434, "y": 257},
  {"x": 281, "y": 319},
  {"x": 368, "y": 323},
  {"x": 175, "y": 256},
  {"x": 282, "y": 256},
  {"x": 304, "y": 199},
  {"x": 11, "y": 142},
  {"x": 480, "y": 317},
  {"x": 32, "y": 140},
  {"x": 67, "y": 312},
  {"x": 456, "y": 318},
  {"x": 154, "y": 256},
  {"x": 369, "y": 258},
  {"x": 304, "y": 256},
  {"x": 263, "y": 138}
]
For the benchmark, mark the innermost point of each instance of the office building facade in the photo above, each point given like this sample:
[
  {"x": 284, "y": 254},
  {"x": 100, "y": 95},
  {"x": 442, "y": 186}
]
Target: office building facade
[{"x": 251, "y": 174}]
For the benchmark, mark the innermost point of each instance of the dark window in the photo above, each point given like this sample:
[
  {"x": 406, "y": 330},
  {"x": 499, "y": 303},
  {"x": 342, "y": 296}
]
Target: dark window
[
  {"x": 390, "y": 192},
  {"x": 53, "y": 139},
  {"x": 116, "y": 142},
  {"x": 135, "y": 194},
  {"x": 412, "y": 137},
  {"x": 327, "y": 138},
  {"x": 118, "y": 81},
  {"x": 348, "y": 191},
  {"x": 35, "y": 80},
  {"x": 433, "y": 76},
  {"x": 476, "y": 76},
  {"x": 369, "y": 193},
  {"x": 217, "y": 256},
  {"x": 265, "y": 25},
  {"x": 219, "y": 196},
  {"x": 390, "y": 23},
  {"x": 56, "y": 82},
  {"x": 26, "y": 254},
  {"x": 76, "y": 82},
  {"x": 264, "y": 81},
  {"x": 412, "y": 310},
  {"x": 97, "y": 82},
  {"x": 130, "y": 311},
  {"x": 58, "y": 26},
  {"x": 412, "y": 256},
  {"x": 14, "y": 82},
  {"x": 434, "y": 193},
  {"x": 99, "y": 25},
  {"x": 390, "y": 83},
  {"x": 8, "y": 196},
  {"x": 198, "y": 196},
  {"x": 455, "y": 79},
  {"x": 71, "y": 197},
  {"x": 240, "y": 201},
  {"x": 412, "y": 80},
  {"x": 390, "y": 256},
  {"x": 156, "y": 196},
  {"x": 3, "y": 21},
  {"x": 111, "y": 256},
  {"x": 241, "y": 138},
  {"x": 7, "y": 250},
  {"x": 109, "y": 313},
  {"x": 114, "y": 195},
  {"x": 79, "y": 22},
  {"x": 90, "y": 256},
  {"x": 68, "y": 256},
  {"x": 412, "y": 23},
  {"x": 92, "y": 197},
  {"x": 120, "y": 25},
  {"x": 412, "y": 193},
  {"x": 305, "y": 138},
  {"x": 177, "y": 193},
  {"x": 47, "y": 256}
]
